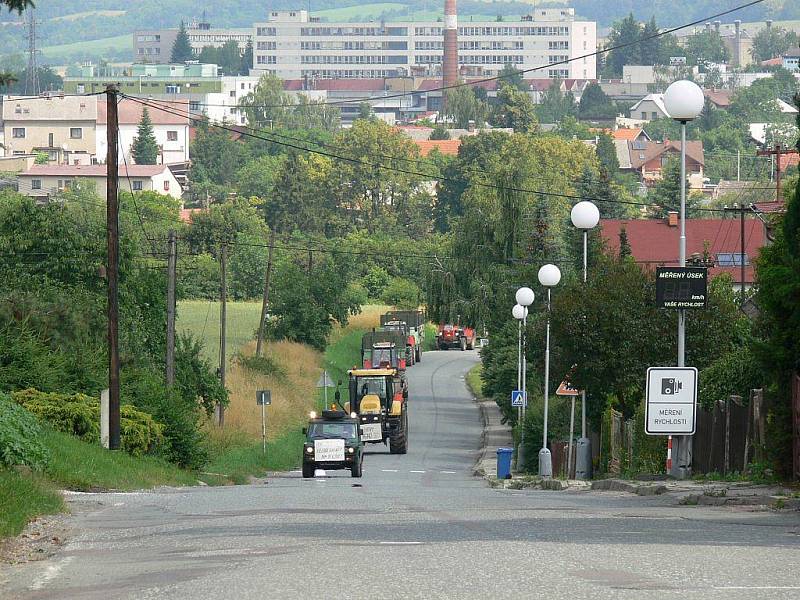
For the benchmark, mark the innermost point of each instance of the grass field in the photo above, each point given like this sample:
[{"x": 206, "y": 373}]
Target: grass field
[
  {"x": 23, "y": 498},
  {"x": 91, "y": 47},
  {"x": 201, "y": 318}
]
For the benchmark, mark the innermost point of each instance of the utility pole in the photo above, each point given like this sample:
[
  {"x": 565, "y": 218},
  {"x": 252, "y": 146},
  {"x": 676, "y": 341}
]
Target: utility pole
[
  {"x": 776, "y": 153},
  {"x": 223, "y": 295},
  {"x": 265, "y": 300},
  {"x": 740, "y": 210},
  {"x": 172, "y": 267},
  {"x": 112, "y": 267}
]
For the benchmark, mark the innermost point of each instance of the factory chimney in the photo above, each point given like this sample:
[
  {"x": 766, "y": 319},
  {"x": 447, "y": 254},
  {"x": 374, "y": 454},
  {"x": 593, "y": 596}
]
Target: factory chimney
[{"x": 450, "y": 62}]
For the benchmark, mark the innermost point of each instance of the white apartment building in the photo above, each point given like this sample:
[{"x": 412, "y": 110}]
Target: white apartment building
[{"x": 295, "y": 45}]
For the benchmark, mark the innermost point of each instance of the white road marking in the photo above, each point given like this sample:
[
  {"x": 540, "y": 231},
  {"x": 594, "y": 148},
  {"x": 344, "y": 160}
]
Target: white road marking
[
  {"x": 758, "y": 587},
  {"x": 51, "y": 573},
  {"x": 416, "y": 471},
  {"x": 400, "y": 543},
  {"x": 448, "y": 472},
  {"x": 389, "y": 470}
]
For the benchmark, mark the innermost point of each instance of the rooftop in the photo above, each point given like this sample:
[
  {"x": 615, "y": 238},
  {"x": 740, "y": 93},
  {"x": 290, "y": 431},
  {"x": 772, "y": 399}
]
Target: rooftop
[
  {"x": 447, "y": 147},
  {"x": 655, "y": 243}
]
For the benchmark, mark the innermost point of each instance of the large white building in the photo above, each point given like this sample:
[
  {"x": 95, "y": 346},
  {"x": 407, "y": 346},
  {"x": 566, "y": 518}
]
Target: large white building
[{"x": 295, "y": 45}]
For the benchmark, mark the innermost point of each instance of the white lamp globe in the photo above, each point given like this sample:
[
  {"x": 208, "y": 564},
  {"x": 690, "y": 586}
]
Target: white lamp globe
[
  {"x": 519, "y": 311},
  {"x": 684, "y": 100},
  {"x": 525, "y": 296},
  {"x": 549, "y": 275},
  {"x": 585, "y": 215}
]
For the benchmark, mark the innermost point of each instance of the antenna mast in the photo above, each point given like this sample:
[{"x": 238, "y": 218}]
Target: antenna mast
[{"x": 32, "y": 72}]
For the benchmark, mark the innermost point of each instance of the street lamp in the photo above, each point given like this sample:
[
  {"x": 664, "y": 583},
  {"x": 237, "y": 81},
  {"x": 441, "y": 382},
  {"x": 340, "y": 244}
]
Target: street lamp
[
  {"x": 585, "y": 216},
  {"x": 684, "y": 102},
  {"x": 524, "y": 297},
  {"x": 549, "y": 276}
]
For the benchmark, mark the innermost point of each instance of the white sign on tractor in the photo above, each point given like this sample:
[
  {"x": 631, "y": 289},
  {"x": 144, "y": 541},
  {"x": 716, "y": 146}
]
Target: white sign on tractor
[
  {"x": 671, "y": 400},
  {"x": 371, "y": 432},
  {"x": 328, "y": 450}
]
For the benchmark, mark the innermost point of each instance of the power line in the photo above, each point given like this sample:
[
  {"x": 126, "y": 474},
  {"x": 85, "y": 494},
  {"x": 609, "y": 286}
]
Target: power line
[{"x": 408, "y": 171}]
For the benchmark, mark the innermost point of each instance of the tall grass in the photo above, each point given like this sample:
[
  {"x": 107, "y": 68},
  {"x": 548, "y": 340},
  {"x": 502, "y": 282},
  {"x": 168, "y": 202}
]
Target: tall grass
[
  {"x": 292, "y": 383},
  {"x": 22, "y": 498}
]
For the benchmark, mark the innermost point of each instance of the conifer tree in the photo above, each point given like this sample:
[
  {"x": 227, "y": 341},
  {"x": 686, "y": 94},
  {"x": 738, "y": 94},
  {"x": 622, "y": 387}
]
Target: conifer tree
[
  {"x": 182, "y": 48},
  {"x": 145, "y": 148}
]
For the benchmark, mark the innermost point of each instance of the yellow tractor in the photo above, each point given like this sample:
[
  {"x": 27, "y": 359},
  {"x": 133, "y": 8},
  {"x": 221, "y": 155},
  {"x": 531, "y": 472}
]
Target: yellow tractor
[{"x": 379, "y": 398}]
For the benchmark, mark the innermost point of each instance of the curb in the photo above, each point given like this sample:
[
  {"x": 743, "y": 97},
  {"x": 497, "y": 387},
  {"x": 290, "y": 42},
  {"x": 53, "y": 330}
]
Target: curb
[{"x": 618, "y": 485}]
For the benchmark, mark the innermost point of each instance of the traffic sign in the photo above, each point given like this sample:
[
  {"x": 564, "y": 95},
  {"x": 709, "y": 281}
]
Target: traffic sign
[
  {"x": 263, "y": 397},
  {"x": 518, "y": 398},
  {"x": 681, "y": 287},
  {"x": 566, "y": 389},
  {"x": 671, "y": 401},
  {"x": 325, "y": 381}
]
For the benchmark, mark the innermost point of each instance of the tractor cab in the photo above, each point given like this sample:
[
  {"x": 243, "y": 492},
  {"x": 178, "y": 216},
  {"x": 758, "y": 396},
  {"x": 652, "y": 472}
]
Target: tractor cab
[{"x": 383, "y": 355}]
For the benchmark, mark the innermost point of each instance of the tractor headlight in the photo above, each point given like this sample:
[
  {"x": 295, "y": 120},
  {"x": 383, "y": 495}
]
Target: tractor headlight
[
  {"x": 351, "y": 450},
  {"x": 309, "y": 450}
]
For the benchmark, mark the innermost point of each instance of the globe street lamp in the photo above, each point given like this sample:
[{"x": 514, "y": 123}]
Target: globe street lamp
[
  {"x": 524, "y": 297},
  {"x": 684, "y": 102},
  {"x": 585, "y": 216},
  {"x": 549, "y": 276}
]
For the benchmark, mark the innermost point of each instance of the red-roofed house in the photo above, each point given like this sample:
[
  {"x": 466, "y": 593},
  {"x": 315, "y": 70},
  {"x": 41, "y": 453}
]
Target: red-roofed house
[
  {"x": 633, "y": 134},
  {"x": 654, "y": 242},
  {"x": 170, "y": 127},
  {"x": 43, "y": 181},
  {"x": 447, "y": 147},
  {"x": 648, "y": 159}
]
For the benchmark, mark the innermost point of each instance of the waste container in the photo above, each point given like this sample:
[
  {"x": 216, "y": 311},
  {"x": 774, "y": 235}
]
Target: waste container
[{"x": 504, "y": 463}]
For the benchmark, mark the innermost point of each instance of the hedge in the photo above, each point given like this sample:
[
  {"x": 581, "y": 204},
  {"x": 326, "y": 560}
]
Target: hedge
[{"x": 79, "y": 415}]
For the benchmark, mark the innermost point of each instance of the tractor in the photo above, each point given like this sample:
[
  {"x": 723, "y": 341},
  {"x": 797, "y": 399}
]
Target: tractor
[
  {"x": 379, "y": 399},
  {"x": 415, "y": 321}
]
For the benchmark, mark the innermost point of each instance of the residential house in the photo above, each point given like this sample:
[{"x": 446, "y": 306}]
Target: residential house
[
  {"x": 649, "y": 108},
  {"x": 43, "y": 181},
  {"x": 63, "y": 127},
  {"x": 654, "y": 242},
  {"x": 790, "y": 60},
  {"x": 718, "y": 98},
  {"x": 446, "y": 147},
  {"x": 648, "y": 159},
  {"x": 630, "y": 134},
  {"x": 170, "y": 128}
]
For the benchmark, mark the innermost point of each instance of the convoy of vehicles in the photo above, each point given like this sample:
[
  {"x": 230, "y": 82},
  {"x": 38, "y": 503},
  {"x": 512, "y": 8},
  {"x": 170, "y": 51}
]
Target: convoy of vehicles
[{"x": 376, "y": 411}]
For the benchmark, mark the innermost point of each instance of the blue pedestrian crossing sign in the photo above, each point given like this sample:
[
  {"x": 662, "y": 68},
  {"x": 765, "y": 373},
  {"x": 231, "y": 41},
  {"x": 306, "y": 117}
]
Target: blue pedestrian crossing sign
[{"x": 518, "y": 398}]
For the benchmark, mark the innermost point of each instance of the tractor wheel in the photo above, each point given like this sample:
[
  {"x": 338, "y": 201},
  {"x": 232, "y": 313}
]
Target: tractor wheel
[
  {"x": 419, "y": 354},
  {"x": 355, "y": 470},
  {"x": 399, "y": 443},
  {"x": 308, "y": 470},
  {"x": 463, "y": 344},
  {"x": 471, "y": 345}
]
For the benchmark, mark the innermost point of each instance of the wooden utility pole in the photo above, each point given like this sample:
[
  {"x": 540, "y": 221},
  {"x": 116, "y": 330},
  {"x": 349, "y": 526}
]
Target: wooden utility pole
[
  {"x": 223, "y": 296},
  {"x": 172, "y": 268},
  {"x": 112, "y": 267},
  {"x": 777, "y": 152},
  {"x": 265, "y": 300},
  {"x": 741, "y": 210}
]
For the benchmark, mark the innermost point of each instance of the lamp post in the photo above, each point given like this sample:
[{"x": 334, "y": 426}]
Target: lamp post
[
  {"x": 549, "y": 276},
  {"x": 684, "y": 102},
  {"x": 524, "y": 297},
  {"x": 585, "y": 216}
]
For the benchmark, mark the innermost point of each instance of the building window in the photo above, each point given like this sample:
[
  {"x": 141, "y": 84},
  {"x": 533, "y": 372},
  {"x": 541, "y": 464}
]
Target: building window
[
  {"x": 172, "y": 89},
  {"x": 36, "y": 184},
  {"x": 644, "y": 115},
  {"x": 75, "y": 133},
  {"x": 232, "y": 93},
  {"x": 18, "y": 132},
  {"x": 137, "y": 185},
  {"x": 731, "y": 259},
  {"x": 166, "y": 185},
  {"x": 654, "y": 115},
  {"x": 172, "y": 136},
  {"x": 80, "y": 88},
  {"x": 194, "y": 105}
]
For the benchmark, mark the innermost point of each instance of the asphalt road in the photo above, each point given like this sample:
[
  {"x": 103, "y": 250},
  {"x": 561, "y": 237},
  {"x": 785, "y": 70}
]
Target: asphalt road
[{"x": 419, "y": 526}]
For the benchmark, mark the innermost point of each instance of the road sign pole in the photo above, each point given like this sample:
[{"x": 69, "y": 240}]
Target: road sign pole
[{"x": 264, "y": 428}]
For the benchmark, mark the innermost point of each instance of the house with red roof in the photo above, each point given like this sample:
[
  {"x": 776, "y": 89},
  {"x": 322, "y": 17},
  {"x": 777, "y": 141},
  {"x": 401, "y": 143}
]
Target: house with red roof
[
  {"x": 446, "y": 147},
  {"x": 654, "y": 242},
  {"x": 170, "y": 128},
  {"x": 44, "y": 181},
  {"x": 648, "y": 159}
]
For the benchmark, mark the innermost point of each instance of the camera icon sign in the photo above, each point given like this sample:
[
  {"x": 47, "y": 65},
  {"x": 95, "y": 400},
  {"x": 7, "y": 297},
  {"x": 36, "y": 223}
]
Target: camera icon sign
[{"x": 670, "y": 386}]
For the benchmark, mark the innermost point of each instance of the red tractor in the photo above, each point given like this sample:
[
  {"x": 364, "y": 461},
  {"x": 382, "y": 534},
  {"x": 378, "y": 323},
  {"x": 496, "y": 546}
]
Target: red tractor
[{"x": 455, "y": 336}]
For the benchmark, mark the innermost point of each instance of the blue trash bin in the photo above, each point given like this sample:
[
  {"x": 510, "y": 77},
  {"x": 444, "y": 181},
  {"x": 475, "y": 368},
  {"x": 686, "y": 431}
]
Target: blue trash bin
[{"x": 504, "y": 463}]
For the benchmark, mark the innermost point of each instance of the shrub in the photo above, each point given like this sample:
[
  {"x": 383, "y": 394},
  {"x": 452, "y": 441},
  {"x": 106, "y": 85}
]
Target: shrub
[
  {"x": 557, "y": 425},
  {"x": 79, "y": 415},
  {"x": 182, "y": 439},
  {"x": 376, "y": 280},
  {"x": 20, "y": 437}
]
